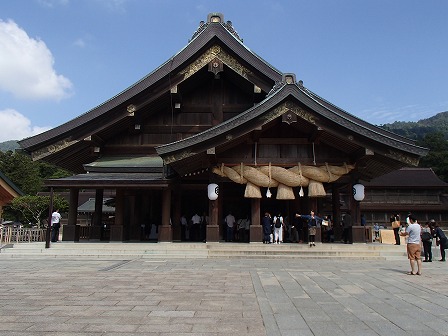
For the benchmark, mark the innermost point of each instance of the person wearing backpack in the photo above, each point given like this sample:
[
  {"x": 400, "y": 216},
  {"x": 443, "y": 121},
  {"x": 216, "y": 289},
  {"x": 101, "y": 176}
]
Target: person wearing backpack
[
  {"x": 313, "y": 222},
  {"x": 427, "y": 235},
  {"x": 278, "y": 229}
]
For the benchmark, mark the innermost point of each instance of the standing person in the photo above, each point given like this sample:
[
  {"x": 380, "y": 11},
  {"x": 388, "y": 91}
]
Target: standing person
[
  {"x": 247, "y": 229},
  {"x": 278, "y": 229},
  {"x": 230, "y": 222},
  {"x": 395, "y": 223},
  {"x": 347, "y": 228},
  {"x": 55, "y": 225},
  {"x": 183, "y": 228},
  {"x": 266, "y": 222},
  {"x": 295, "y": 228},
  {"x": 195, "y": 227},
  {"x": 427, "y": 235},
  {"x": 313, "y": 223},
  {"x": 441, "y": 240},
  {"x": 204, "y": 224},
  {"x": 413, "y": 247}
]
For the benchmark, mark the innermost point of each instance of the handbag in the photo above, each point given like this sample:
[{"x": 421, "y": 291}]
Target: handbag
[{"x": 395, "y": 224}]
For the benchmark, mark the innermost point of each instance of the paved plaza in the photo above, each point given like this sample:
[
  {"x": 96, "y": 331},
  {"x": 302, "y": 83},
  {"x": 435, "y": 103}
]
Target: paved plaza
[{"x": 88, "y": 296}]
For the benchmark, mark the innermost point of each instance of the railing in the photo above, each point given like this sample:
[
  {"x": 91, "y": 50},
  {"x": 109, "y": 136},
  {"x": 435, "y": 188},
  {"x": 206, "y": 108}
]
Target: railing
[{"x": 15, "y": 235}]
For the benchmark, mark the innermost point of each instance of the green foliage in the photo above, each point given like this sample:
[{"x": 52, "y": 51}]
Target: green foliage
[
  {"x": 437, "y": 159},
  {"x": 26, "y": 174},
  {"x": 35, "y": 209},
  {"x": 22, "y": 171},
  {"x": 431, "y": 133},
  {"x": 418, "y": 130}
]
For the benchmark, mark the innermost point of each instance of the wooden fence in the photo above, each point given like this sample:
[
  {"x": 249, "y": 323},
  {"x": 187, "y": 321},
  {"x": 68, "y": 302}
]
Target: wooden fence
[{"x": 10, "y": 235}]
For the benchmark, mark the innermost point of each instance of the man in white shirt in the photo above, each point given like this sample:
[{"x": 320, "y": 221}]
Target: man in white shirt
[
  {"x": 195, "y": 228},
  {"x": 413, "y": 247},
  {"x": 55, "y": 225}
]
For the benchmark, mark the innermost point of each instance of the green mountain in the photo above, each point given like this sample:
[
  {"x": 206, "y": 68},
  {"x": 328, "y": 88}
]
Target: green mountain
[
  {"x": 11, "y": 145},
  {"x": 418, "y": 130}
]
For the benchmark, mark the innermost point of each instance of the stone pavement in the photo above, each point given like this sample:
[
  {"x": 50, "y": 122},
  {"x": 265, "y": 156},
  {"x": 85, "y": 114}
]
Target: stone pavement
[{"x": 88, "y": 296}]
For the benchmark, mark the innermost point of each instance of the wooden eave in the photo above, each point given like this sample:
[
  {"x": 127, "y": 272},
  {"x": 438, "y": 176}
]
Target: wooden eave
[
  {"x": 379, "y": 151},
  {"x": 114, "y": 111},
  {"x": 110, "y": 180}
]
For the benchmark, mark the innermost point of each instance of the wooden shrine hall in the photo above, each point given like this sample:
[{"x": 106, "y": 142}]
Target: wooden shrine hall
[{"x": 216, "y": 115}]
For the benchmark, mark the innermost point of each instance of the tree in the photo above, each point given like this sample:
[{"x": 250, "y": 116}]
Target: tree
[
  {"x": 437, "y": 158},
  {"x": 22, "y": 171},
  {"x": 34, "y": 209}
]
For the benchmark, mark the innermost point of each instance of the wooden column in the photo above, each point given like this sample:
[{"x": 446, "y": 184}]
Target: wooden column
[
  {"x": 95, "y": 230},
  {"x": 116, "y": 230},
  {"x": 256, "y": 231},
  {"x": 213, "y": 225},
  {"x": 165, "y": 234},
  {"x": 177, "y": 208},
  {"x": 336, "y": 213},
  {"x": 70, "y": 232}
]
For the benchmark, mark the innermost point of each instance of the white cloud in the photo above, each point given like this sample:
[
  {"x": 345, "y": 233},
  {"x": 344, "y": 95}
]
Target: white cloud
[
  {"x": 114, "y": 5},
  {"x": 79, "y": 43},
  {"x": 52, "y": 3},
  {"x": 26, "y": 66},
  {"x": 15, "y": 126}
]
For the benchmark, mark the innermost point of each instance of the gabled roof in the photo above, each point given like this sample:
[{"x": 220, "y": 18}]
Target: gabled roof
[
  {"x": 408, "y": 177},
  {"x": 210, "y": 33},
  {"x": 387, "y": 151}
]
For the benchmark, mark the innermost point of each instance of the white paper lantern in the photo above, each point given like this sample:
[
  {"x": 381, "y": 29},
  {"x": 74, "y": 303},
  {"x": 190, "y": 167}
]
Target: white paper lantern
[
  {"x": 213, "y": 190},
  {"x": 358, "y": 192}
]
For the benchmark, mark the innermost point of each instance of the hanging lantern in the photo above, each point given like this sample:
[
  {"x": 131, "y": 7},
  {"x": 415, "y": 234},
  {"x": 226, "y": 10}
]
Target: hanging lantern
[
  {"x": 213, "y": 190},
  {"x": 358, "y": 192}
]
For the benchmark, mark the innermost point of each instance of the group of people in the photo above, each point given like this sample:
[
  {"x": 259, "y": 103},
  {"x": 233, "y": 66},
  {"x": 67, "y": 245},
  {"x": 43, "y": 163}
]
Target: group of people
[
  {"x": 418, "y": 235},
  {"x": 237, "y": 230},
  {"x": 302, "y": 228},
  {"x": 195, "y": 228}
]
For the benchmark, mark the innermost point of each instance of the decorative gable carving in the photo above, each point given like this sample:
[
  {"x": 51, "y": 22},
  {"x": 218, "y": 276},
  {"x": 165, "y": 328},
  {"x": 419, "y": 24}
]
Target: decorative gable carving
[{"x": 215, "y": 52}]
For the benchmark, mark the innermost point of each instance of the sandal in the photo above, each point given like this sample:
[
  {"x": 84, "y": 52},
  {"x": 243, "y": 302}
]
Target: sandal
[
  {"x": 418, "y": 273},
  {"x": 410, "y": 273}
]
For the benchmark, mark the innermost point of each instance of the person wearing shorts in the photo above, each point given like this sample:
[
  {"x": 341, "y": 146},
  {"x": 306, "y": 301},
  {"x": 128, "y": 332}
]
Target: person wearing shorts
[{"x": 414, "y": 249}]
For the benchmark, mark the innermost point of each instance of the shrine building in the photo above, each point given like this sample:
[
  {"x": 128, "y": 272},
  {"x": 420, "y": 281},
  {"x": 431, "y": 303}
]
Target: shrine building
[{"x": 216, "y": 130}]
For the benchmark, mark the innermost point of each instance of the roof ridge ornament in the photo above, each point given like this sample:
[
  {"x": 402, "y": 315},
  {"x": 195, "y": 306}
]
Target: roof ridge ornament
[
  {"x": 216, "y": 18},
  {"x": 201, "y": 28},
  {"x": 287, "y": 78},
  {"x": 228, "y": 25},
  {"x": 277, "y": 86}
]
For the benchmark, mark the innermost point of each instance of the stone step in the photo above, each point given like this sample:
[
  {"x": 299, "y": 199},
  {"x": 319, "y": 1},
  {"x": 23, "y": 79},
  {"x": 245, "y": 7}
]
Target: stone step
[{"x": 203, "y": 250}]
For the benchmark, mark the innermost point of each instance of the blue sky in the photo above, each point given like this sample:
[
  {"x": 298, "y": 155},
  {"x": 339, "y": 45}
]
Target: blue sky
[{"x": 381, "y": 60}]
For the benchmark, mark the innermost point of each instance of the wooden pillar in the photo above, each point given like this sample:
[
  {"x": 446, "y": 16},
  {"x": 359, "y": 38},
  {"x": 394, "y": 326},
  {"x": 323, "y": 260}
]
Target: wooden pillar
[
  {"x": 256, "y": 231},
  {"x": 177, "y": 209},
  {"x": 336, "y": 213},
  {"x": 358, "y": 231},
  {"x": 213, "y": 225},
  {"x": 116, "y": 230},
  {"x": 70, "y": 232},
  {"x": 95, "y": 230},
  {"x": 165, "y": 234}
]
